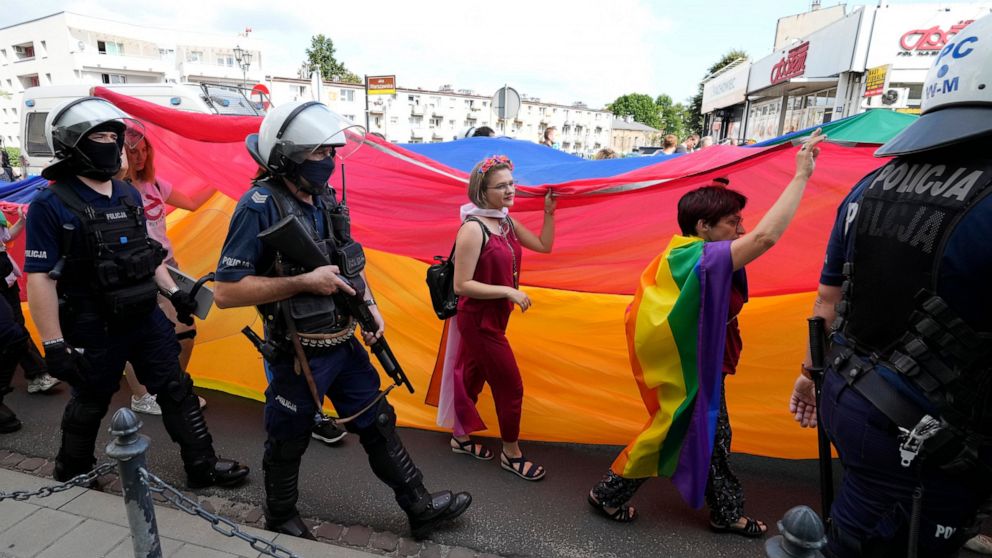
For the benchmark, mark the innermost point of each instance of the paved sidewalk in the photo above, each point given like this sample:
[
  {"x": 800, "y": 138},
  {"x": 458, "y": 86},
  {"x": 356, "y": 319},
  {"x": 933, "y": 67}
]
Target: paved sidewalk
[{"x": 80, "y": 523}]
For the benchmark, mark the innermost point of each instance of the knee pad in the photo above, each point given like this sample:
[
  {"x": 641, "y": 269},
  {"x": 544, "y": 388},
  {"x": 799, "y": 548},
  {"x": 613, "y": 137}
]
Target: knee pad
[
  {"x": 383, "y": 426},
  {"x": 189, "y": 334},
  {"x": 177, "y": 390},
  {"x": 84, "y": 412},
  {"x": 291, "y": 449}
]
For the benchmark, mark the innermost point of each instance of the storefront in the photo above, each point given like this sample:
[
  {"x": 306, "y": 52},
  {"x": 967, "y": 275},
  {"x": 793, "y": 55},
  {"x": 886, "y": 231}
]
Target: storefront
[
  {"x": 724, "y": 95},
  {"x": 807, "y": 83}
]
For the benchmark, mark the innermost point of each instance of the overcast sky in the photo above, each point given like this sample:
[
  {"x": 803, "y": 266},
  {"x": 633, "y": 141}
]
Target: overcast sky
[{"x": 560, "y": 51}]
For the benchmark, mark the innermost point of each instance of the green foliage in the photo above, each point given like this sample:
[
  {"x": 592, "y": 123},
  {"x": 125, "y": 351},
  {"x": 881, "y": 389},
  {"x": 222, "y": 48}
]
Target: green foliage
[
  {"x": 321, "y": 55},
  {"x": 696, "y": 102},
  {"x": 15, "y": 155},
  {"x": 675, "y": 118},
  {"x": 638, "y": 105}
]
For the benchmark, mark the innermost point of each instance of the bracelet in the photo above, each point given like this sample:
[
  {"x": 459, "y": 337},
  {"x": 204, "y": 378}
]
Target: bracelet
[
  {"x": 172, "y": 291},
  {"x": 370, "y": 302},
  {"x": 52, "y": 342}
]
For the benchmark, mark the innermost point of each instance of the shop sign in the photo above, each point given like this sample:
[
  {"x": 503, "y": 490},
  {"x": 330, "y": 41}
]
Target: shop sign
[
  {"x": 381, "y": 85},
  {"x": 793, "y": 64},
  {"x": 875, "y": 80},
  {"x": 928, "y": 42}
]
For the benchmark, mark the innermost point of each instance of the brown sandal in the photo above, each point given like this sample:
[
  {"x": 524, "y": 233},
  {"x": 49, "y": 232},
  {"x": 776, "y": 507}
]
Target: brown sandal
[{"x": 473, "y": 449}]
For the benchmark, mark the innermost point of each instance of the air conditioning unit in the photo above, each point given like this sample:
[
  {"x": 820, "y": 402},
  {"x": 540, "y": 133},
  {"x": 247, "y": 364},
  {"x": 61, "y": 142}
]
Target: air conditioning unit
[{"x": 891, "y": 98}]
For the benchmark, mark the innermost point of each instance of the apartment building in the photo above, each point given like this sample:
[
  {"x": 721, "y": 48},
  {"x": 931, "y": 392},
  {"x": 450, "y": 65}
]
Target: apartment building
[{"x": 67, "y": 48}]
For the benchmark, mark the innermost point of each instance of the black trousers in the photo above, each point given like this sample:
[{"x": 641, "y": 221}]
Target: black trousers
[{"x": 32, "y": 362}]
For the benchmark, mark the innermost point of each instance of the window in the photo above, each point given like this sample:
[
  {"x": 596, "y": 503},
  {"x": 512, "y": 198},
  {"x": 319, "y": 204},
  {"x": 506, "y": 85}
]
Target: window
[
  {"x": 34, "y": 141},
  {"x": 226, "y": 61},
  {"x": 113, "y": 78},
  {"x": 436, "y": 122},
  {"x": 3, "y": 54},
  {"x": 416, "y": 120},
  {"x": 194, "y": 56},
  {"x": 349, "y": 117},
  {"x": 24, "y": 51},
  {"x": 347, "y": 94},
  {"x": 394, "y": 119},
  {"x": 110, "y": 48},
  {"x": 29, "y": 81}
]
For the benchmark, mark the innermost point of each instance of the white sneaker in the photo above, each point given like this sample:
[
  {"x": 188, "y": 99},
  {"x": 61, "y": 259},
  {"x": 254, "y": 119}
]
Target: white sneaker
[
  {"x": 145, "y": 404},
  {"x": 203, "y": 402},
  {"x": 981, "y": 544},
  {"x": 42, "y": 383}
]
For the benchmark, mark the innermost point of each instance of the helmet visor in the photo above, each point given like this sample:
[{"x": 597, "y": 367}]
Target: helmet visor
[
  {"x": 78, "y": 120},
  {"x": 317, "y": 127}
]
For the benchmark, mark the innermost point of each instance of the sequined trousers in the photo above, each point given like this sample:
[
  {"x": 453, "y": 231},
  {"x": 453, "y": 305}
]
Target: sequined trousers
[{"x": 724, "y": 493}]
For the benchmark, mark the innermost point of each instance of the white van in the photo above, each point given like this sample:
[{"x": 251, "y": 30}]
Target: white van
[{"x": 203, "y": 98}]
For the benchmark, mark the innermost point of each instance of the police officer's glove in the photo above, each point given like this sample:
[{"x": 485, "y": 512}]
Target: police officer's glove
[
  {"x": 185, "y": 305},
  {"x": 66, "y": 363}
]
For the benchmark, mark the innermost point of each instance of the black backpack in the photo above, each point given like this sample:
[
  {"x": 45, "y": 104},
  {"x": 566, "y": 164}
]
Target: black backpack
[{"x": 441, "y": 279}]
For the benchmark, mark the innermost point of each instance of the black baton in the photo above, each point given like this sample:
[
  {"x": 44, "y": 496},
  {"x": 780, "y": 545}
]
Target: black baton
[{"x": 817, "y": 350}]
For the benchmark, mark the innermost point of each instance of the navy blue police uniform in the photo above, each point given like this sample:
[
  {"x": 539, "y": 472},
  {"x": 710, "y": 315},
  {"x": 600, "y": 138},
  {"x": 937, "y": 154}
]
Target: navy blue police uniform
[
  {"x": 109, "y": 315},
  {"x": 12, "y": 349},
  {"x": 920, "y": 223},
  {"x": 345, "y": 375}
]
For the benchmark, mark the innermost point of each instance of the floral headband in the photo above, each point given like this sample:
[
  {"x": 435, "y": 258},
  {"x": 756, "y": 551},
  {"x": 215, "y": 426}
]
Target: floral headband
[{"x": 495, "y": 160}]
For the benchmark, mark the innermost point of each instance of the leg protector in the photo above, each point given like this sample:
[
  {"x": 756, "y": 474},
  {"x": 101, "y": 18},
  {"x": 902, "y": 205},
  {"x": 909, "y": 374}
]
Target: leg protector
[
  {"x": 394, "y": 466},
  {"x": 281, "y": 466},
  {"x": 9, "y": 357},
  {"x": 80, "y": 426},
  {"x": 186, "y": 426}
]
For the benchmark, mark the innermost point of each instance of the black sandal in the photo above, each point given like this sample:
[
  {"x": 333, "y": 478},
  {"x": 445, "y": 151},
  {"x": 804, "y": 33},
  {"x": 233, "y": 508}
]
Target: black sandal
[
  {"x": 473, "y": 449},
  {"x": 516, "y": 466},
  {"x": 751, "y": 528},
  {"x": 623, "y": 514}
]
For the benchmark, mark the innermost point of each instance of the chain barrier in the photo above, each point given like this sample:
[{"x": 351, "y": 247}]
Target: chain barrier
[
  {"x": 220, "y": 524},
  {"x": 84, "y": 479}
]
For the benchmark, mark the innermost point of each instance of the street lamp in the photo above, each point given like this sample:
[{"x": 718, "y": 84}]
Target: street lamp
[{"x": 243, "y": 58}]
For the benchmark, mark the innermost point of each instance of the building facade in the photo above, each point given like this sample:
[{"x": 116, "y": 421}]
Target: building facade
[
  {"x": 431, "y": 116},
  {"x": 67, "y": 48},
  {"x": 629, "y": 136},
  {"x": 875, "y": 57}
]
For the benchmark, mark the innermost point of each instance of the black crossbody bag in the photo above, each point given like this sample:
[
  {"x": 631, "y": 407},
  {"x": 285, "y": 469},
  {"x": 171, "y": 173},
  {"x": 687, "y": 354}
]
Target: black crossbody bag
[{"x": 441, "y": 279}]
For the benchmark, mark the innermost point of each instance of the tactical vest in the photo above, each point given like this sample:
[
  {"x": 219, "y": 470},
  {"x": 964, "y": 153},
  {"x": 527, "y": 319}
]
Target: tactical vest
[
  {"x": 321, "y": 323},
  {"x": 116, "y": 260},
  {"x": 890, "y": 311}
]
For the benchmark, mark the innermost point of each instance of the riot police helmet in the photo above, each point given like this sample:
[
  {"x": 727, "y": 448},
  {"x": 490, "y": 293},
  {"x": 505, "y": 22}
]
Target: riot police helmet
[
  {"x": 957, "y": 95},
  {"x": 70, "y": 124},
  {"x": 290, "y": 133}
]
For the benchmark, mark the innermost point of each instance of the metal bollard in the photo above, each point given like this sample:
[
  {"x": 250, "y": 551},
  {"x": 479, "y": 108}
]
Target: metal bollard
[
  {"x": 802, "y": 535},
  {"x": 128, "y": 448}
]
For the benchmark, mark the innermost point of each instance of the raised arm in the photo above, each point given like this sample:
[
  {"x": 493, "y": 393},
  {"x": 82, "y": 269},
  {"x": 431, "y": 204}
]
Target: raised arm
[
  {"x": 543, "y": 243},
  {"x": 769, "y": 230}
]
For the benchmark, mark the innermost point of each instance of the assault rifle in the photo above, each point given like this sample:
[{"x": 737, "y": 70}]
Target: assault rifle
[{"x": 291, "y": 239}]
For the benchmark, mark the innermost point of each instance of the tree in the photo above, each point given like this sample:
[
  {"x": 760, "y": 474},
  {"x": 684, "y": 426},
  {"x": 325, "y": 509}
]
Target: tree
[
  {"x": 696, "y": 102},
  {"x": 321, "y": 55},
  {"x": 674, "y": 116},
  {"x": 638, "y": 105}
]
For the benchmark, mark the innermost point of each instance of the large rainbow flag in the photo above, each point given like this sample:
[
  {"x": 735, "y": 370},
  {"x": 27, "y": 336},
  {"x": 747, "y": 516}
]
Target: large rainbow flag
[
  {"x": 676, "y": 329},
  {"x": 612, "y": 220}
]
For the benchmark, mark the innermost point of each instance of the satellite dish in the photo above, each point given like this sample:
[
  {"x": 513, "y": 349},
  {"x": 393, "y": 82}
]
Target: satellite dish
[{"x": 506, "y": 103}]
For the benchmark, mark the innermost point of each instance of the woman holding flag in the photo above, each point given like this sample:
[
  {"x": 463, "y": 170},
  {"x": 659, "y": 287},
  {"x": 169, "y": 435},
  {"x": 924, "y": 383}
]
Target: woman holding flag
[{"x": 683, "y": 339}]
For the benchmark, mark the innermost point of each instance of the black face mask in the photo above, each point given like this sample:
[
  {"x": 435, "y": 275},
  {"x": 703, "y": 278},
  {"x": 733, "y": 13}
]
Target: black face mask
[
  {"x": 314, "y": 175},
  {"x": 100, "y": 161}
]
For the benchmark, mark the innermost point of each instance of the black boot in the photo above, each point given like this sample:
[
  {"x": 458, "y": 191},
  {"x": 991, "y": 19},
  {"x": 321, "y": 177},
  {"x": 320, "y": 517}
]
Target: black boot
[
  {"x": 9, "y": 357},
  {"x": 394, "y": 466},
  {"x": 185, "y": 424},
  {"x": 281, "y": 468},
  {"x": 80, "y": 426}
]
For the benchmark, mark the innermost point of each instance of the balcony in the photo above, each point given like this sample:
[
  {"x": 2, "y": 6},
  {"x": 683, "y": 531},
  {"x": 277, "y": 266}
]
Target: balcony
[
  {"x": 416, "y": 110},
  {"x": 195, "y": 71},
  {"x": 90, "y": 59}
]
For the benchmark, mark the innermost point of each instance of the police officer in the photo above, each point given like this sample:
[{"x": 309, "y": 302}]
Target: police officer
[
  {"x": 295, "y": 148},
  {"x": 907, "y": 398},
  {"x": 93, "y": 279}
]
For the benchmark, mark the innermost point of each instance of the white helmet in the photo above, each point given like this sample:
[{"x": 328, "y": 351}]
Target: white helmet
[
  {"x": 71, "y": 121},
  {"x": 957, "y": 95},
  {"x": 289, "y": 133}
]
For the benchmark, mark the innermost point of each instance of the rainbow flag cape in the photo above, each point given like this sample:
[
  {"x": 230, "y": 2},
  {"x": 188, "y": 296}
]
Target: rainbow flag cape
[{"x": 676, "y": 330}]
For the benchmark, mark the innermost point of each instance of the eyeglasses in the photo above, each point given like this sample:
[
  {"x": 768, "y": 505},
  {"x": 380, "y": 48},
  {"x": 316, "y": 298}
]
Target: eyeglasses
[{"x": 503, "y": 186}]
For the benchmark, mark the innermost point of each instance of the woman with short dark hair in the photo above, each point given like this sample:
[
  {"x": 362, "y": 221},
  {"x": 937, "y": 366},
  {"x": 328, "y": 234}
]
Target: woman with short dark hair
[{"x": 683, "y": 340}]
